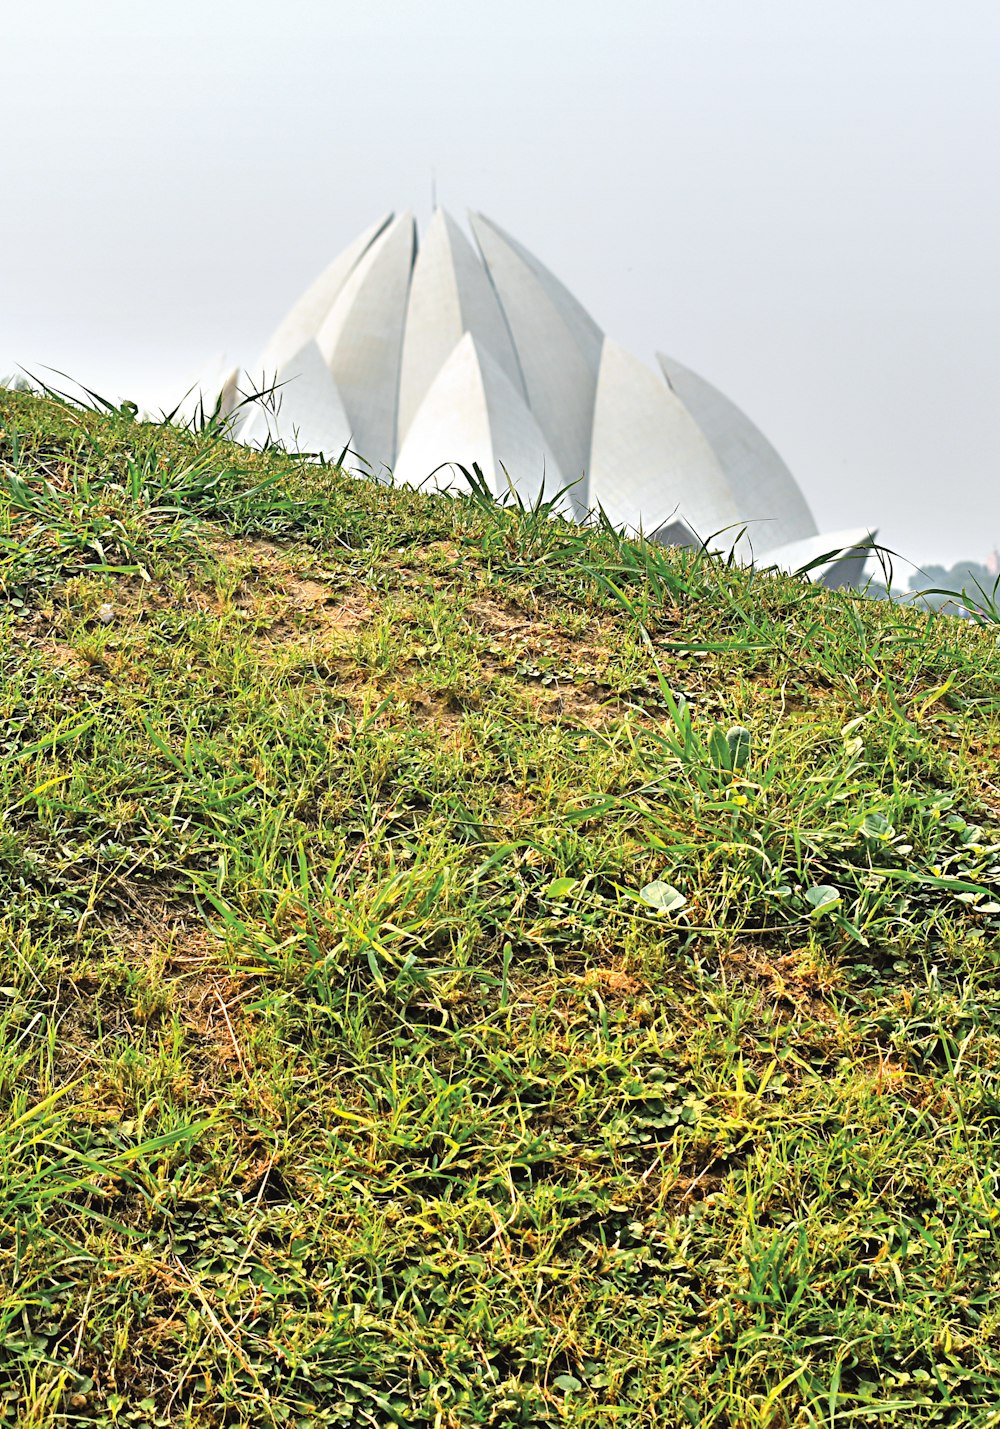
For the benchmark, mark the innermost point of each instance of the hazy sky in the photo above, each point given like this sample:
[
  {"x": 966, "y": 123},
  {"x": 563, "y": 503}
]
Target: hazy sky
[{"x": 798, "y": 198}]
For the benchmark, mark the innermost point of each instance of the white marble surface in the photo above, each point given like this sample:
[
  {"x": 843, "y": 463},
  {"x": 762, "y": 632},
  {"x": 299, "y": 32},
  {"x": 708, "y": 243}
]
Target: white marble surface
[
  {"x": 305, "y": 412},
  {"x": 421, "y": 357}
]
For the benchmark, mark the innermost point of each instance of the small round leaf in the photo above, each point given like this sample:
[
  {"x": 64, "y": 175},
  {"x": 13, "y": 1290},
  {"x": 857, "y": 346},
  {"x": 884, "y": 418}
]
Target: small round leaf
[
  {"x": 568, "y": 1383},
  {"x": 663, "y": 897},
  {"x": 823, "y": 898},
  {"x": 738, "y": 740},
  {"x": 559, "y": 888}
]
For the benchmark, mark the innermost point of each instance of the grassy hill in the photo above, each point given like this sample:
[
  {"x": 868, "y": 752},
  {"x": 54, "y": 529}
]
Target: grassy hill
[{"x": 459, "y": 969}]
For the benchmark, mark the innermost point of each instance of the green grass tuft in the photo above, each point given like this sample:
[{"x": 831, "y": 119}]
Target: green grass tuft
[{"x": 460, "y": 968}]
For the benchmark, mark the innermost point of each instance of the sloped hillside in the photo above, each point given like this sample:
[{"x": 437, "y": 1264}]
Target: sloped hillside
[{"x": 459, "y": 969}]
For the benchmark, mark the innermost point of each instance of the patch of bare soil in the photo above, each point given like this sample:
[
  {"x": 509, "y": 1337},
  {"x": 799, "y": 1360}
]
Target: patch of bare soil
[
  {"x": 304, "y": 617},
  {"x": 174, "y": 969},
  {"x": 62, "y": 656},
  {"x": 443, "y": 715},
  {"x": 612, "y": 981},
  {"x": 529, "y": 648},
  {"x": 583, "y": 706},
  {"x": 791, "y": 980},
  {"x": 294, "y": 603},
  {"x": 511, "y": 624}
]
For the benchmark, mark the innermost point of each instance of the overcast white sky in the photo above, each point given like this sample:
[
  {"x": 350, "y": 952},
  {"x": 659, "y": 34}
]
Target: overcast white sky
[{"x": 797, "y": 198}]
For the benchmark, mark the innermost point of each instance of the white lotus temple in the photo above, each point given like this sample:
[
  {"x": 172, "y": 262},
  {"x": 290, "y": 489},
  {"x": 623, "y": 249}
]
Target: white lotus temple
[{"x": 419, "y": 359}]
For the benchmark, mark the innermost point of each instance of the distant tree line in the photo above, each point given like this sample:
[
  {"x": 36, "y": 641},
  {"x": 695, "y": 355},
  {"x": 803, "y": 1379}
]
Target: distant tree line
[{"x": 966, "y": 588}]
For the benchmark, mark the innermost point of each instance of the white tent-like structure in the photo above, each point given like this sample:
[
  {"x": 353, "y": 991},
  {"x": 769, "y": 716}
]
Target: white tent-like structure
[{"x": 425, "y": 359}]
